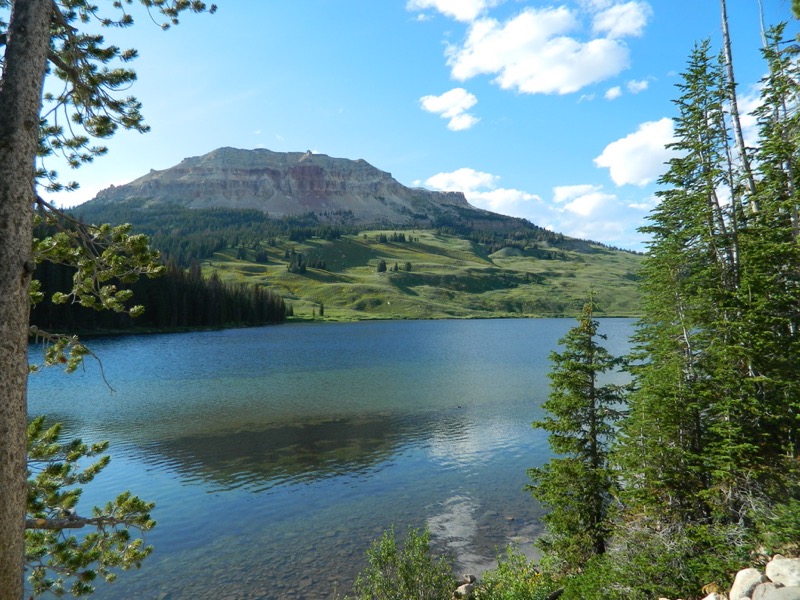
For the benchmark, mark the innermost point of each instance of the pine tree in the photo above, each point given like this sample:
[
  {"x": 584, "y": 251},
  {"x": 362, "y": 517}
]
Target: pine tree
[
  {"x": 714, "y": 416},
  {"x": 577, "y": 485},
  {"x": 42, "y": 39},
  {"x": 689, "y": 281},
  {"x": 708, "y": 450},
  {"x": 770, "y": 290}
]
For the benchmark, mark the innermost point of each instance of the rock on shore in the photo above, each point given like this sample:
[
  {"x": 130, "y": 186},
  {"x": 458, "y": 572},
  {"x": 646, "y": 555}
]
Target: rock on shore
[{"x": 780, "y": 581}]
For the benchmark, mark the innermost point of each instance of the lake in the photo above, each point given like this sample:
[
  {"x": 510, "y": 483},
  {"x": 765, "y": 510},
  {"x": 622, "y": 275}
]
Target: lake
[{"x": 275, "y": 455}]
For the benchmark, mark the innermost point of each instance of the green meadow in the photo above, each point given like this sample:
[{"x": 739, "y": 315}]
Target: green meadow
[{"x": 433, "y": 276}]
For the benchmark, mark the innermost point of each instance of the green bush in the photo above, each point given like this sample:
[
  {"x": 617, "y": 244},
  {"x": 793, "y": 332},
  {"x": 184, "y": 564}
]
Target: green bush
[
  {"x": 514, "y": 578},
  {"x": 779, "y": 528},
  {"x": 407, "y": 573},
  {"x": 673, "y": 561}
]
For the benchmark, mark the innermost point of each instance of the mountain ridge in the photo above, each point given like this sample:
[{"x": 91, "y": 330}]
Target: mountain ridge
[{"x": 290, "y": 184}]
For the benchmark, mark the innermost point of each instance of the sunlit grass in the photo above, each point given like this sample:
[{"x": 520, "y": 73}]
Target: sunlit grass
[{"x": 449, "y": 278}]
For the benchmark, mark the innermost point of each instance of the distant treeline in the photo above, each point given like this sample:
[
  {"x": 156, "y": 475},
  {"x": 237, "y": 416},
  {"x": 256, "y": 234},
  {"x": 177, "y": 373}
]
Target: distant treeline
[
  {"x": 496, "y": 232},
  {"x": 184, "y": 235},
  {"x": 180, "y": 298}
]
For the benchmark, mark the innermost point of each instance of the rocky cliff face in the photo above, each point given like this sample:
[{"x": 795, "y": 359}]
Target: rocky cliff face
[{"x": 287, "y": 183}]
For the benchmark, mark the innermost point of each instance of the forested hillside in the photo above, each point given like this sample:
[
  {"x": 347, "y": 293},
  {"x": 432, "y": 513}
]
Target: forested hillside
[
  {"x": 500, "y": 267},
  {"x": 185, "y": 234}
]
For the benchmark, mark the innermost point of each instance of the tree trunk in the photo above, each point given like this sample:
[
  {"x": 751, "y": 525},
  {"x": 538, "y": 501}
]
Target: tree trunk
[
  {"x": 735, "y": 120},
  {"x": 20, "y": 104}
]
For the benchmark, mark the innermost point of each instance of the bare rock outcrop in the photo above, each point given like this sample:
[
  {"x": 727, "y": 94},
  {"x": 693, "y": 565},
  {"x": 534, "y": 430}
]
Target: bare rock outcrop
[
  {"x": 289, "y": 183},
  {"x": 781, "y": 581}
]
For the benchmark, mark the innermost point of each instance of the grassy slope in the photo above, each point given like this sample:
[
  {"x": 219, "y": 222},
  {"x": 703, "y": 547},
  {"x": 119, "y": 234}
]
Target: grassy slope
[{"x": 449, "y": 278}]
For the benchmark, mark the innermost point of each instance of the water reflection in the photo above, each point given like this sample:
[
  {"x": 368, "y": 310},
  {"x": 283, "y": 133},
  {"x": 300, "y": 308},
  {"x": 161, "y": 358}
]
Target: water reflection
[{"x": 258, "y": 459}]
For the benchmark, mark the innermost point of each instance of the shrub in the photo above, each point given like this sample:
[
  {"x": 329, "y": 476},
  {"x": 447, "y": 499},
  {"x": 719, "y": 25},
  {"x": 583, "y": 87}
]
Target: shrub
[
  {"x": 779, "y": 528},
  {"x": 670, "y": 560},
  {"x": 514, "y": 578},
  {"x": 408, "y": 573}
]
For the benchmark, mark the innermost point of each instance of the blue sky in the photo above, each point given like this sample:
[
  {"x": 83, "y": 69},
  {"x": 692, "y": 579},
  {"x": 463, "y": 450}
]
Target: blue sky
[{"x": 553, "y": 111}]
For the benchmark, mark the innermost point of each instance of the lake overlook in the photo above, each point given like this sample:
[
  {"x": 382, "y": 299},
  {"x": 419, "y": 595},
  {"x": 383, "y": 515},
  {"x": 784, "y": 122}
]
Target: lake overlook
[{"x": 276, "y": 455}]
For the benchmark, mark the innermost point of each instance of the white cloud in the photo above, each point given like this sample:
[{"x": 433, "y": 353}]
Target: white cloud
[
  {"x": 481, "y": 190},
  {"x": 584, "y": 211},
  {"x": 587, "y": 211},
  {"x": 639, "y": 157},
  {"x": 460, "y": 10},
  {"x": 563, "y": 193},
  {"x": 645, "y": 204},
  {"x": 607, "y": 231},
  {"x": 462, "y": 180},
  {"x": 534, "y": 52},
  {"x": 595, "y": 5},
  {"x": 622, "y": 20},
  {"x": 462, "y": 122},
  {"x": 583, "y": 200},
  {"x": 634, "y": 86},
  {"x": 506, "y": 201},
  {"x": 452, "y": 105},
  {"x": 588, "y": 204}
]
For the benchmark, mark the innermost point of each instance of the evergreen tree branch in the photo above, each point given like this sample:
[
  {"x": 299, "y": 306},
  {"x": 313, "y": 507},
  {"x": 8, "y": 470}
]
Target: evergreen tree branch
[{"x": 77, "y": 522}]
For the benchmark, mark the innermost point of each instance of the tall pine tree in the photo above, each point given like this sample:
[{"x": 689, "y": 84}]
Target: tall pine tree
[
  {"x": 684, "y": 436},
  {"x": 707, "y": 454},
  {"x": 576, "y": 486},
  {"x": 710, "y": 439}
]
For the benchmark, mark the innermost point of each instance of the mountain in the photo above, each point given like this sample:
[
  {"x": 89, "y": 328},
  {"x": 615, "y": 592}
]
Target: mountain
[
  {"x": 284, "y": 184},
  {"x": 344, "y": 235}
]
